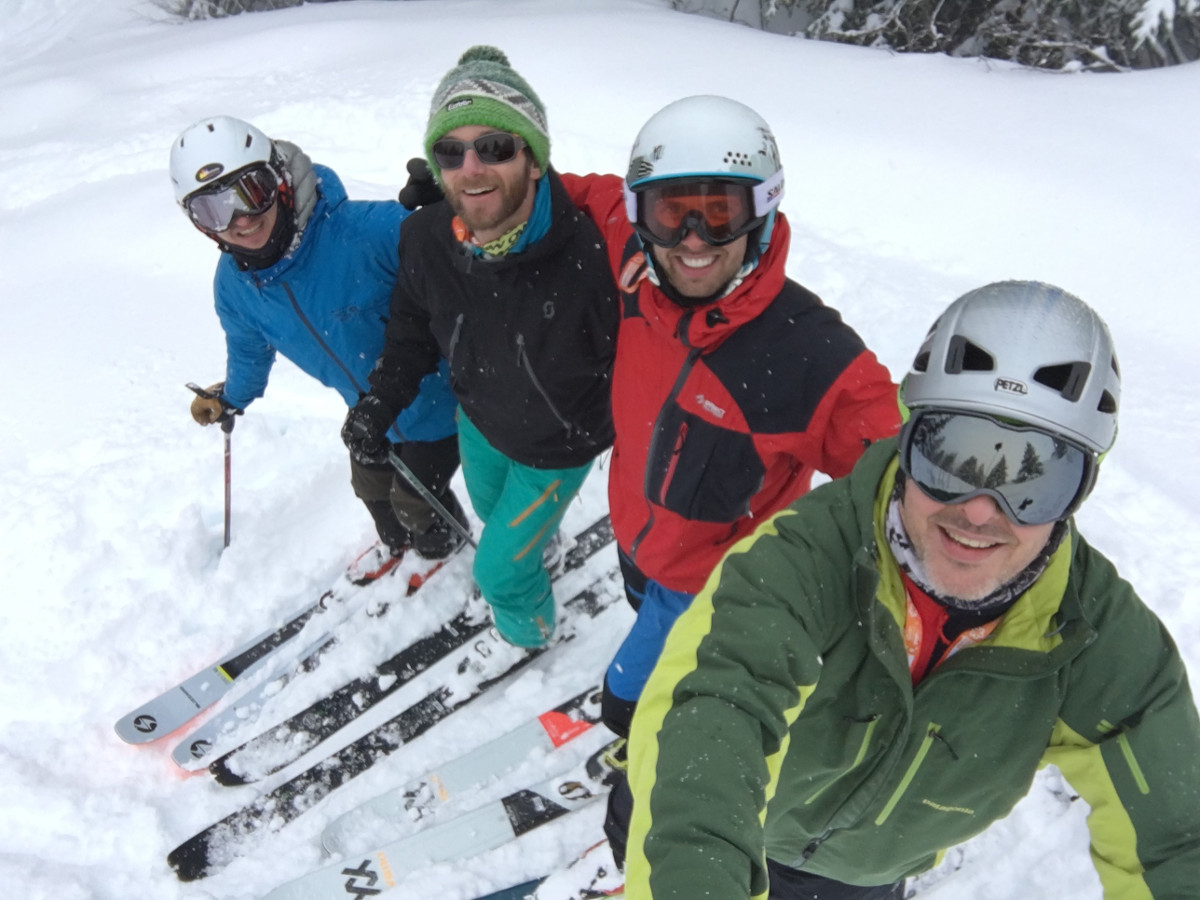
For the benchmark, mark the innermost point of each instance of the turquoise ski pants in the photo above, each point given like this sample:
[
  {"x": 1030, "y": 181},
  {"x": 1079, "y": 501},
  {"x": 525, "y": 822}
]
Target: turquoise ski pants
[{"x": 521, "y": 508}]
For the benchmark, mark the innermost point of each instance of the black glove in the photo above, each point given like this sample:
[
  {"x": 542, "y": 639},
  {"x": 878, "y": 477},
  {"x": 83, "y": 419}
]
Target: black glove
[
  {"x": 365, "y": 431},
  {"x": 421, "y": 189}
]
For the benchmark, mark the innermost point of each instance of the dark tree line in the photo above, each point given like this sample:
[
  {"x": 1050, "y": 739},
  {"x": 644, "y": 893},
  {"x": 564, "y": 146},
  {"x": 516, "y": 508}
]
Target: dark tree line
[{"x": 1101, "y": 35}]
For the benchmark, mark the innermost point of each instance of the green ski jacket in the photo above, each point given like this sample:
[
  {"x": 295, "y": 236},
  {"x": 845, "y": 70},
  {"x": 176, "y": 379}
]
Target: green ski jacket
[{"x": 781, "y": 720}]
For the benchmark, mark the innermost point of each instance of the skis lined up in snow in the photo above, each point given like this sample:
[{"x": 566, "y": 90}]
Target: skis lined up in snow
[
  {"x": 193, "y": 752},
  {"x": 487, "y": 660},
  {"x": 282, "y": 745},
  {"x": 484, "y": 828},
  {"x": 178, "y": 705},
  {"x": 389, "y": 815}
]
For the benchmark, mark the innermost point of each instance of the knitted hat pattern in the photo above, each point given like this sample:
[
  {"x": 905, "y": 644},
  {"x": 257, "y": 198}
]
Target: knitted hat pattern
[{"x": 483, "y": 89}]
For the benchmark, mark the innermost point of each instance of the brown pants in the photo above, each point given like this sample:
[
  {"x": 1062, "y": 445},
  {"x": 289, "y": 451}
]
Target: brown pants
[{"x": 433, "y": 462}]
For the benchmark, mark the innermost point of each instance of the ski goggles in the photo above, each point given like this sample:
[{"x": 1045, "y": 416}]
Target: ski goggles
[
  {"x": 493, "y": 148},
  {"x": 719, "y": 211},
  {"x": 247, "y": 193},
  {"x": 1035, "y": 477}
]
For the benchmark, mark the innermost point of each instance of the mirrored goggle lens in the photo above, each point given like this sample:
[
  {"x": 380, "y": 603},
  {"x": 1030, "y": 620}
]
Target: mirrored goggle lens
[
  {"x": 719, "y": 212},
  {"x": 249, "y": 194},
  {"x": 492, "y": 149},
  {"x": 1034, "y": 476}
]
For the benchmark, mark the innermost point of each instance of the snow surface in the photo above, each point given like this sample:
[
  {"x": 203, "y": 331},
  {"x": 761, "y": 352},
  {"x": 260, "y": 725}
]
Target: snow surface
[{"x": 911, "y": 180}]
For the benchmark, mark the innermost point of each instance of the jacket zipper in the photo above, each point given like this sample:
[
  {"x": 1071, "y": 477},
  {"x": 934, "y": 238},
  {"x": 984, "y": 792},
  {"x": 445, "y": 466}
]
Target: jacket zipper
[
  {"x": 320, "y": 340},
  {"x": 523, "y": 362},
  {"x": 930, "y": 734},
  {"x": 454, "y": 336}
]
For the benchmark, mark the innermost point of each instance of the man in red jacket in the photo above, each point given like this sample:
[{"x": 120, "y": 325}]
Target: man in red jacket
[{"x": 732, "y": 383}]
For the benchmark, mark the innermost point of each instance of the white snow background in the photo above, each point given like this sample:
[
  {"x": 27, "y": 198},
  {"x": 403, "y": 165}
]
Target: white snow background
[{"x": 911, "y": 179}]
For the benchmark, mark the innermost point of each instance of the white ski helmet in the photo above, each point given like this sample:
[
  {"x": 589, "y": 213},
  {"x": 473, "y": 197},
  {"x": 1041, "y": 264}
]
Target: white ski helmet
[
  {"x": 1025, "y": 351},
  {"x": 214, "y": 148},
  {"x": 707, "y": 136}
]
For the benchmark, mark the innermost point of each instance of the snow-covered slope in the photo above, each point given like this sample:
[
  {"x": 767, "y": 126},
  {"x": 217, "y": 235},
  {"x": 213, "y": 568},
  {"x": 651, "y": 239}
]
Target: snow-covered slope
[{"x": 911, "y": 179}]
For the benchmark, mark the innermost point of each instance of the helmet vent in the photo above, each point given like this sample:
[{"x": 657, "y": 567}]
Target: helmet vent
[
  {"x": 639, "y": 167},
  {"x": 1107, "y": 404},
  {"x": 1066, "y": 378},
  {"x": 921, "y": 363},
  {"x": 737, "y": 158},
  {"x": 964, "y": 356}
]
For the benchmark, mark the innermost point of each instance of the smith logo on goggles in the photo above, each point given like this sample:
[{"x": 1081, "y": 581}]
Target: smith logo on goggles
[
  {"x": 247, "y": 193},
  {"x": 1034, "y": 477}
]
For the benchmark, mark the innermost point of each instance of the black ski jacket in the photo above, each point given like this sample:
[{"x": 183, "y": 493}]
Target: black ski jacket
[{"x": 530, "y": 337}]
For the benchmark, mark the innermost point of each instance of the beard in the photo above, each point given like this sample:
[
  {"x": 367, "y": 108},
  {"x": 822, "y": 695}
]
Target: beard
[{"x": 512, "y": 189}]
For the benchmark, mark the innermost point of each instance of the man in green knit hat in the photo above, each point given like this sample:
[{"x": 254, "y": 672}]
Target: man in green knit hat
[{"x": 509, "y": 282}]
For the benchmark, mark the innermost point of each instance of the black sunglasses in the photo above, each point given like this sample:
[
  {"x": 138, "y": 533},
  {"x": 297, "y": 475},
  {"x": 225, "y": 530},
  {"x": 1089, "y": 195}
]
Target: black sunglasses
[{"x": 492, "y": 148}]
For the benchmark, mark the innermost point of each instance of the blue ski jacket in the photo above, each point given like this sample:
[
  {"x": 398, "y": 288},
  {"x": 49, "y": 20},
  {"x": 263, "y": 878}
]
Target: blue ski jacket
[{"x": 325, "y": 307}]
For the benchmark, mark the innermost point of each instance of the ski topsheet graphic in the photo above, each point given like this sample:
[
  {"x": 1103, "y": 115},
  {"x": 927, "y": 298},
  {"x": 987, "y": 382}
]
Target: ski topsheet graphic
[
  {"x": 482, "y": 829},
  {"x": 390, "y": 815},
  {"x": 466, "y": 674},
  {"x": 223, "y": 729},
  {"x": 178, "y": 705},
  {"x": 266, "y": 754}
]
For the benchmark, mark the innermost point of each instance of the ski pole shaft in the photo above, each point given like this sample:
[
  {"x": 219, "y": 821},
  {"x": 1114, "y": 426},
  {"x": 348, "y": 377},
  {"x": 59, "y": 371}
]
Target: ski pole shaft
[
  {"x": 399, "y": 465},
  {"x": 227, "y": 428}
]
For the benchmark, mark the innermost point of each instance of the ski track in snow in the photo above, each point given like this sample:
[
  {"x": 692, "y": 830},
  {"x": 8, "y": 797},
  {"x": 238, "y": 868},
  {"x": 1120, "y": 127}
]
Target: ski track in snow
[{"x": 910, "y": 180}]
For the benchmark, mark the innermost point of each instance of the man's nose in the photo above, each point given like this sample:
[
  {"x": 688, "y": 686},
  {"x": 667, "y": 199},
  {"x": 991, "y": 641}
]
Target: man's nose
[{"x": 981, "y": 510}]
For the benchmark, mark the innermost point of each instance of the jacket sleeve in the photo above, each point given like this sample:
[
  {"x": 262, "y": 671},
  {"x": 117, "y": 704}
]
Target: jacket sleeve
[
  {"x": 861, "y": 407},
  {"x": 1128, "y": 740},
  {"x": 602, "y": 199},
  {"x": 248, "y": 354},
  {"x": 711, "y": 728},
  {"x": 410, "y": 350}
]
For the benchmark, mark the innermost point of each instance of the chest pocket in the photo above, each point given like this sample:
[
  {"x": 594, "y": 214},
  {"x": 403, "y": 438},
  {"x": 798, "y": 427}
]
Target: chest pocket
[{"x": 701, "y": 471}]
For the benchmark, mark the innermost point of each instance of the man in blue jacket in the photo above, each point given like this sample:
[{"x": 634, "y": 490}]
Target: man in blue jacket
[{"x": 308, "y": 273}]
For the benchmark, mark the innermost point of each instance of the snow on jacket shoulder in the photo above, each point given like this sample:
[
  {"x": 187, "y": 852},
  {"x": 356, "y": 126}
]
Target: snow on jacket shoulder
[
  {"x": 781, "y": 719},
  {"x": 324, "y": 306},
  {"x": 724, "y": 412}
]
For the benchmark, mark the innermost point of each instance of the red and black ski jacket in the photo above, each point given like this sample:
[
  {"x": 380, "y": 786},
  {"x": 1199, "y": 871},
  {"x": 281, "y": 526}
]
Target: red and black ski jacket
[{"x": 724, "y": 411}]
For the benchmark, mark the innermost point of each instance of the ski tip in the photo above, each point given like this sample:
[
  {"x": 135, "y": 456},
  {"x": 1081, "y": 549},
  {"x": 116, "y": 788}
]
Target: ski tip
[{"x": 189, "y": 860}]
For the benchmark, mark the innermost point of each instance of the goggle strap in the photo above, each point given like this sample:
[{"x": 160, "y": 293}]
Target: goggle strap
[{"x": 767, "y": 194}]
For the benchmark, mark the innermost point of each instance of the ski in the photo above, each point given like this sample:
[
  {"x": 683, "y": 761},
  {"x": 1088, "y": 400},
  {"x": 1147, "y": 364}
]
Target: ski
[
  {"x": 193, "y": 752},
  {"x": 280, "y": 746},
  {"x": 488, "y": 660},
  {"x": 591, "y": 876},
  {"x": 387, "y": 816},
  {"x": 484, "y": 828},
  {"x": 177, "y": 706}
]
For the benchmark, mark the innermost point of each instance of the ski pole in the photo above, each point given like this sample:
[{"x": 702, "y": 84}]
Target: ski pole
[
  {"x": 427, "y": 496},
  {"x": 227, "y": 428}
]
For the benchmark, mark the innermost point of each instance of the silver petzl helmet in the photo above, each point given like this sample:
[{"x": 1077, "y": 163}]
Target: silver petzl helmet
[
  {"x": 706, "y": 136},
  {"x": 1025, "y": 351},
  {"x": 214, "y": 148}
]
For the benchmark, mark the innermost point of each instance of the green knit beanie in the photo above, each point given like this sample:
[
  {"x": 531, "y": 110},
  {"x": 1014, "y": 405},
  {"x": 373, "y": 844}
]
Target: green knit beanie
[{"x": 484, "y": 90}]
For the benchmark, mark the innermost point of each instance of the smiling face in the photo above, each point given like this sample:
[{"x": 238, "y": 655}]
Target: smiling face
[
  {"x": 490, "y": 199},
  {"x": 968, "y": 549},
  {"x": 697, "y": 269},
  {"x": 251, "y": 232}
]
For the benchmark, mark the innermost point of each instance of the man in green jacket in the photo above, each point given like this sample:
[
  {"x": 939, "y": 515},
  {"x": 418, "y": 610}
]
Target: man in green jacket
[{"x": 877, "y": 673}]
